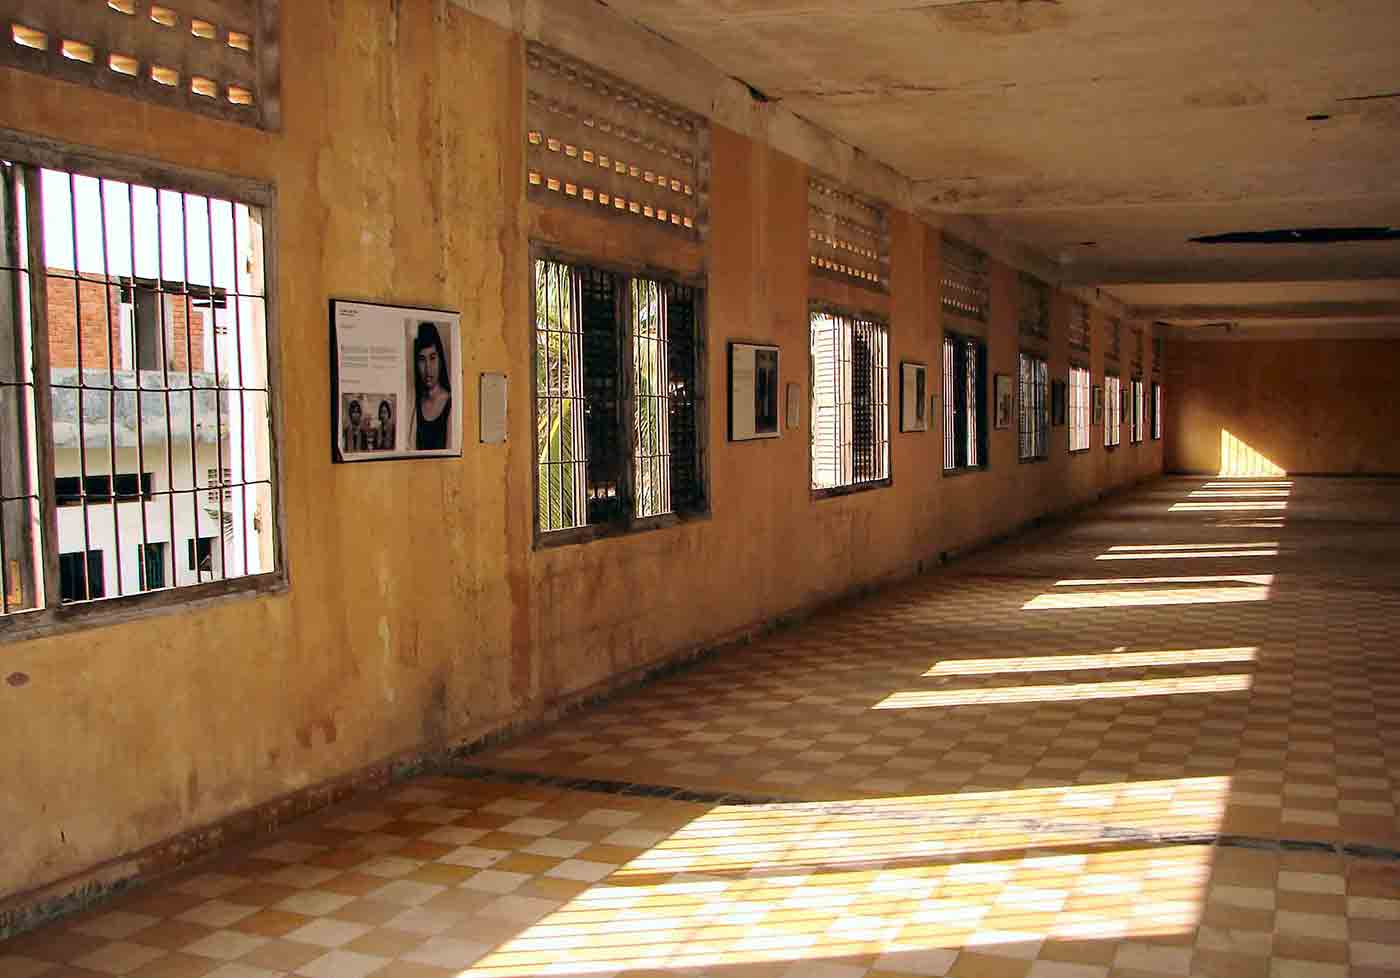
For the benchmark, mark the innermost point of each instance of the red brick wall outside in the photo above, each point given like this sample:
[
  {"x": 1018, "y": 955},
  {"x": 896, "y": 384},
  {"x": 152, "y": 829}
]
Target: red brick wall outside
[{"x": 66, "y": 297}]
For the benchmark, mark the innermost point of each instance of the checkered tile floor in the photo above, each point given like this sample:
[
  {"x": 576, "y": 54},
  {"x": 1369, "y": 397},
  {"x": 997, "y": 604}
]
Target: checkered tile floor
[{"x": 1160, "y": 740}]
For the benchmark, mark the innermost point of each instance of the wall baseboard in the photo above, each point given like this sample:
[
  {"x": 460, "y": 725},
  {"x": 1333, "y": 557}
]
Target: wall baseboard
[{"x": 30, "y": 909}]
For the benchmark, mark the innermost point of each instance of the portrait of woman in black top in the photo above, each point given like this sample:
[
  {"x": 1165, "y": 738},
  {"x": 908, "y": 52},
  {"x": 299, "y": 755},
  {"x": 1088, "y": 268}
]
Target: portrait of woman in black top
[{"x": 432, "y": 403}]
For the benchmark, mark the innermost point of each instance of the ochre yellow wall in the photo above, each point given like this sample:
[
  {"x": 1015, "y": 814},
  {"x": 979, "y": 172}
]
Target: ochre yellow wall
[
  {"x": 418, "y": 613},
  {"x": 1306, "y": 406}
]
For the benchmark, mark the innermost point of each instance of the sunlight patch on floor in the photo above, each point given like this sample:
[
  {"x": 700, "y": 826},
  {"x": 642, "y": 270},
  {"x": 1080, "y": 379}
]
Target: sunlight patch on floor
[
  {"x": 1066, "y": 693},
  {"x": 1146, "y": 598},
  {"x": 910, "y": 880},
  {"x": 1107, "y": 660}
]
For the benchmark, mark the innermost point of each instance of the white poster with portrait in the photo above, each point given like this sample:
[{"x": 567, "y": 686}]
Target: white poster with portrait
[{"x": 396, "y": 382}]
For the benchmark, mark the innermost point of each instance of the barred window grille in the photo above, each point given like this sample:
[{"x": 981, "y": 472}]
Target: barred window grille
[
  {"x": 1080, "y": 409},
  {"x": 1157, "y": 412},
  {"x": 607, "y": 451},
  {"x": 850, "y": 401},
  {"x": 1113, "y": 347},
  {"x": 1137, "y": 400},
  {"x": 964, "y": 407},
  {"x": 1079, "y": 327},
  {"x": 1034, "y": 413},
  {"x": 1112, "y": 410},
  {"x": 215, "y": 57},
  {"x": 1033, "y": 307},
  {"x": 848, "y": 235},
  {"x": 134, "y": 389},
  {"x": 613, "y": 148},
  {"x": 965, "y": 288}
]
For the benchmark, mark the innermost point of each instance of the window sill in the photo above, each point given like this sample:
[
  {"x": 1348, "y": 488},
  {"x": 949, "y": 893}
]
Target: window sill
[
  {"x": 1033, "y": 461},
  {"x": 963, "y": 470},
  {"x": 101, "y": 612},
  {"x": 550, "y": 539},
  {"x": 851, "y": 489},
  {"x": 1080, "y": 451}
]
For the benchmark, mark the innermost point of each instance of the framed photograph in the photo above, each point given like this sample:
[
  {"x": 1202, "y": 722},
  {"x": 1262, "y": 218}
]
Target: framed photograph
[
  {"x": 1002, "y": 402},
  {"x": 753, "y": 392},
  {"x": 1098, "y": 406},
  {"x": 395, "y": 382},
  {"x": 913, "y": 397},
  {"x": 1058, "y": 391}
]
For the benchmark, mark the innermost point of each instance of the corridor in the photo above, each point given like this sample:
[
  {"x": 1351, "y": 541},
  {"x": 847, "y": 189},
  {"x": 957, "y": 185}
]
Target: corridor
[{"x": 1160, "y": 738}]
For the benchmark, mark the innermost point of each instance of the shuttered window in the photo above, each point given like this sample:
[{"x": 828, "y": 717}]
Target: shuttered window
[
  {"x": 1079, "y": 409},
  {"x": 1112, "y": 410},
  {"x": 850, "y": 401}
]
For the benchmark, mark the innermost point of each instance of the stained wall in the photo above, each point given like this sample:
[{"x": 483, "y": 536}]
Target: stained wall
[
  {"x": 1303, "y": 406},
  {"x": 418, "y": 613}
]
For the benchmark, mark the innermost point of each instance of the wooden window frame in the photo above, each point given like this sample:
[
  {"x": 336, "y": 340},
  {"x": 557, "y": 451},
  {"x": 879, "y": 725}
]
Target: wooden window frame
[
  {"x": 32, "y": 155},
  {"x": 628, "y": 523},
  {"x": 882, "y": 327}
]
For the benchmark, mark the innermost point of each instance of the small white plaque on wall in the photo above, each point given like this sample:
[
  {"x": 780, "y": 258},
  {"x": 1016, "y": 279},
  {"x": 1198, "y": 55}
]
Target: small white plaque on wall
[{"x": 493, "y": 409}]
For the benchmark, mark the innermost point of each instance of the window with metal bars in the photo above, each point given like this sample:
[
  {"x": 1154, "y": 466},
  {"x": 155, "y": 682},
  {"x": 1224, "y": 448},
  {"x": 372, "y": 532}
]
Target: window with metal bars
[
  {"x": 618, "y": 399},
  {"x": 1157, "y": 412},
  {"x": 964, "y": 402},
  {"x": 1034, "y": 408},
  {"x": 850, "y": 401},
  {"x": 1112, "y": 410},
  {"x": 1138, "y": 402},
  {"x": 1080, "y": 408},
  {"x": 107, "y": 444}
]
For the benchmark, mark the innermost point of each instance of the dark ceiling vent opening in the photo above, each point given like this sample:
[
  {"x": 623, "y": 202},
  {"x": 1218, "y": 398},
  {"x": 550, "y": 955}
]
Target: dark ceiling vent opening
[{"x": 1301, "y": 236}]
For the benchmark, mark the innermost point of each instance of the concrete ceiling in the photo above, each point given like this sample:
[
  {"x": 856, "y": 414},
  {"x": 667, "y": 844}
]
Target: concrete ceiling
[{"x": 1105, "y": 133}]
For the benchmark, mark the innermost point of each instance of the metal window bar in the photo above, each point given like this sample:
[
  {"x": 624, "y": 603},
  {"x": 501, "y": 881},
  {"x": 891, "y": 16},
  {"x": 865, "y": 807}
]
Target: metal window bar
[
  {"x": 21, "y": 563},
  {"x": 1113, "y": 410},
  {"x": 950, "y": 401},
  {"x": 97, "y": 396},
  {"x": 1156, "y": 412},
  {"x": 973, "y": 356},
  {"x": 651, "y": 407},
  {"x": 602, "y": 353},
  {"x": 870, "y": 407},
  {"x": 1139, "y": 421},
  {"x": 560, "y": 407},
  {"x": 685, "y": 397},
  {"x": 850, "y": 401},
  {"x": 1033, "y": 416}
]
